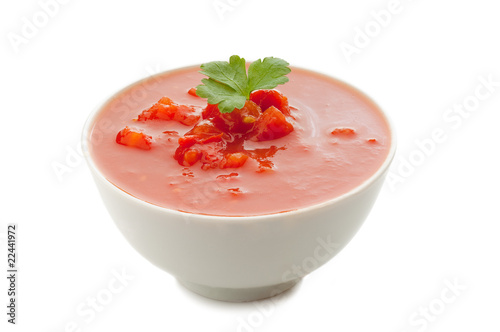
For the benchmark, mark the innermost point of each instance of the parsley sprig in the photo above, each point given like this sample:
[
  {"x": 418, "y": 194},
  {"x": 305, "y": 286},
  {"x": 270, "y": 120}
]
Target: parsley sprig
[{"x": 229, "y": 86}]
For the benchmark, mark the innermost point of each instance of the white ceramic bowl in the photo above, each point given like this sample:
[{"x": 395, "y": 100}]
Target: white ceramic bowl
[{"x": 238, "y": 258}]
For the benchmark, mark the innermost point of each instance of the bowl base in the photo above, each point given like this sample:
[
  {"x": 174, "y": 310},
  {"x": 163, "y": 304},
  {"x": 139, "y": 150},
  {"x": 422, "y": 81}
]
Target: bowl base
[{"x": 239, "y": 294}]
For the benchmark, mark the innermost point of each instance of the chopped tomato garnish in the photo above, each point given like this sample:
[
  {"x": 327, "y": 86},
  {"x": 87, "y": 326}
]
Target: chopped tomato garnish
[
  {"x": 191, "y": 156},
  {"x": 204, "y": 129},
  {"x": 217, "y": 141},
  {"x": 166, "y": 109},
  {"x": 343, "y": 132},
  {"x": 207, "y": 141},
  {"x": 212, "y": 154},
  {"x": 210, "y": 139},
  {"x": 135, "y": 139},
  {"x": 238, "y": 122},
  {"x": 234, "y": 160},
  {"x": 192, "y": 92},
  {"x": 268, "y": 98},
  {"x": 272, "y": 124},
  {"x": 166, "y": 101},
  {"x": 187, "y": 141},
  {"x": 210, "y": 111}
]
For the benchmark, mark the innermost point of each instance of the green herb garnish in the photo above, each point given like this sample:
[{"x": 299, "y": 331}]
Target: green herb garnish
[{"x": 229, "y": 86}]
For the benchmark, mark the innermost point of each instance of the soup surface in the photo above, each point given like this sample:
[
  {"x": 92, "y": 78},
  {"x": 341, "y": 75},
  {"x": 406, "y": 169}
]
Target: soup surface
[{"x": 340, "y": 139}]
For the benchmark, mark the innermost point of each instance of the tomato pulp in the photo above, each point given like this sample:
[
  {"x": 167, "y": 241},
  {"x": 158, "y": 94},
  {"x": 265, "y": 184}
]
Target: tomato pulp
[{"x": 339, "y": 139}]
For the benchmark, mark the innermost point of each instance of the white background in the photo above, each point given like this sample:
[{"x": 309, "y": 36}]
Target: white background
[{"x": 434, "y": 224}]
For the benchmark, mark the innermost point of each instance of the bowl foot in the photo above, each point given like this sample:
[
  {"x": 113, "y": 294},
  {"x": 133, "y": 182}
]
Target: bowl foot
[{"x": 239, "y": 294}]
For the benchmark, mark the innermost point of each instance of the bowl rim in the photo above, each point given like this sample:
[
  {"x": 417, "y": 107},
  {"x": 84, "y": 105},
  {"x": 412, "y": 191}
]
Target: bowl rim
[{"x": 86, "y": 133}]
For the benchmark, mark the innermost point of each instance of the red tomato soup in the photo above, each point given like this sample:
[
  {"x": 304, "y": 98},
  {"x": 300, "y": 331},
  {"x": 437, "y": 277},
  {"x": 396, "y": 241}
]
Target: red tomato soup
[{"x": 339, "y": 139}]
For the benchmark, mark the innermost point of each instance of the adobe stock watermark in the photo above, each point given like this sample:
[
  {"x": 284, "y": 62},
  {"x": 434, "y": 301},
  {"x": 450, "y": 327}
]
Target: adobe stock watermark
[
  {"x": 72, "y": 155},
  {"x": 428, "y": 313},
  {"x": 264, "y": 309},
  {"x": 405, "y": 165},
  {"x": 94, "y": 305},
  {"x": 32, "y": 25},
  {"x": 363, "y": 36},
  {"x": 201, "y": 196},
  {"x": 222, "y": 7},
  {"x": 73, "y": 158}
]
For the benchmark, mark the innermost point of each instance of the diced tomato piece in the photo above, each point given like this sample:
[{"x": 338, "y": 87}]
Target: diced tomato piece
[
  {"x": 372, "y": 140},
  {"x": 239, "y": 121},
  {"x": 212, "y": 154},
  {"x": 191, "y": 156},
  {"x": 217, "y": 141},
  {"x": 272, "y": 124},
  {"x": 192, "y": 92},
  {"x": 135, "y": 139},
  {"x": 207, "y": 140},
  {"x": 166, "y": 109},
  {"x": 151, "y": 113},
  {"x": 166, "y": 101},
  {"x": 157, "y": 111},
  {"x": 187, "y": 115},
  {"x": 205, "y": 131},
  {"x": 344, "y": 132},
  {"x": 210, "y": 139},
  {"x": 187, "y": 141},
  {"x": 268, "y": 98},
  {"x": 234, "y": 160},
  {"x": 204, "y": 128},
  {"x": 210, "y": 111}
]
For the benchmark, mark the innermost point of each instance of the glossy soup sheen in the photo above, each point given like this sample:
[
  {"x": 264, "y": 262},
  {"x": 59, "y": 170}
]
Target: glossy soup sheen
[{"x": 311, "y": 165}]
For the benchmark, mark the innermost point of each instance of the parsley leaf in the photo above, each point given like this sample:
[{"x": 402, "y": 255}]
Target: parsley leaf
[
  {"x": 233, "y": 74},
  {"x": 219, "y": 93},
  {"x": 229, "y": 86},
  {"x": 267, "y": 74}
]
